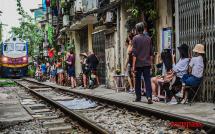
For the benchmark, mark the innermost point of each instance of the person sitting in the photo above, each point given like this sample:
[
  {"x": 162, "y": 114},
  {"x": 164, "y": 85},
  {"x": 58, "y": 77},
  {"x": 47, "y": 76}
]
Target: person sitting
[
  {"x": 180, "y": 68},
  {"x": 167, "y": 61},
  {"x": 173, "y": 69},
  {"x": 196, "y": 69}
]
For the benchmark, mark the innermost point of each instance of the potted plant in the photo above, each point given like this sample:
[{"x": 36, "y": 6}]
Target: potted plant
[{"x": 117, "y": 71}]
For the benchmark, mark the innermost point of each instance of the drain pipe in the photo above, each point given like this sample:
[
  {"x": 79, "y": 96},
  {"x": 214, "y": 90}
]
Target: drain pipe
[{"x": 118, "y": 37}]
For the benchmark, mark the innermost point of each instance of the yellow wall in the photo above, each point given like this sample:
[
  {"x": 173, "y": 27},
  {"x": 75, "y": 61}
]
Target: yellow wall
[
  {"x": 164, "y": 9},
  {"x": 90, "y": 40}
]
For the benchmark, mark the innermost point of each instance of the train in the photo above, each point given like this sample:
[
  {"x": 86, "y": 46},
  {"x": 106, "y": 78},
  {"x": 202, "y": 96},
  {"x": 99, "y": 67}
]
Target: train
[{"x": 14, "y": 58}]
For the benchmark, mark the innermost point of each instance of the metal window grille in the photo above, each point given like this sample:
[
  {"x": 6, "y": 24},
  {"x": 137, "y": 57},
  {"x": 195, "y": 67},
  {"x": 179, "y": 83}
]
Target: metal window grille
[
  {"x": 197, "y": 25},
  {"x": 99, "y": 50},
  {"x": 84, "y": 40}
]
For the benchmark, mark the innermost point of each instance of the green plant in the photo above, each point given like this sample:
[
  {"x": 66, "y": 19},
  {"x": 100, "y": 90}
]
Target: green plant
[
  {"x": 118, "y": 71},
  {"x": 7, "y": 83},
  {"x": 31, "y": 72},
  {"x": 28, "y": 30}
]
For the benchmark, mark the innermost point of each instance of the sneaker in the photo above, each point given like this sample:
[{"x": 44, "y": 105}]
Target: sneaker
[
  {"x": 179, "y": 94},
  {"x": 131, "y": 91}
]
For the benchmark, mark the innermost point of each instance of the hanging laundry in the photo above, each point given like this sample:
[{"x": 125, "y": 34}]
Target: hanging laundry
[
  {"x": 48, "y": 2},
  {"x": 51, "y": 52},
  {"x": 55, "y": 11},
  {"x": 62, "y": 3},
  {"x": 53, "y": 3},
  {"x": 44, "y": 5}
]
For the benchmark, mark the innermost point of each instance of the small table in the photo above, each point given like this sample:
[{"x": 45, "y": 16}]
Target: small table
[{"x": 119, "y": 82}]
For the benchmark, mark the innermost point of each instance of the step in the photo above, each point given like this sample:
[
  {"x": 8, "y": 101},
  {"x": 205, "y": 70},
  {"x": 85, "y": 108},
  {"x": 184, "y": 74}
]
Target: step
[
  {"x": 41, "y": 110},
  {"x": 42, "y": 89},
  {"x": 59, "y": 130},
  {"x": 54, "y": 123},
  {"x": 45, "y": 117},
  {"x": 37, "y": 106},
  {"x": 61, "y": 98}
]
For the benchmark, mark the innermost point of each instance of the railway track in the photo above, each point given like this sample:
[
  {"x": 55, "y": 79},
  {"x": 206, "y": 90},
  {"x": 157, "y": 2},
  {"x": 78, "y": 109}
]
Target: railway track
[{"x": 101, "y": 117}]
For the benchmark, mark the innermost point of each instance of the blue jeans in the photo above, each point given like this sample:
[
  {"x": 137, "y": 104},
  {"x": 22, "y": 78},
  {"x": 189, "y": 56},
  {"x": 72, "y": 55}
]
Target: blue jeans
[
  {"x": 145, "y": 72},
  {"x": 191, "y": 80}
]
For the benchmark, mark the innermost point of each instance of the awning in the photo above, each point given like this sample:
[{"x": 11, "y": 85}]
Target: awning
[{"x": 91, "y": 19}]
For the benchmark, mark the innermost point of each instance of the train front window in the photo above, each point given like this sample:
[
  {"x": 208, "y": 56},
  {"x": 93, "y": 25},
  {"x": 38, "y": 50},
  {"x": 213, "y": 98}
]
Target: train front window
[
  {"x": 8, "y": 47},
  {"x": 20, "y": 47}
]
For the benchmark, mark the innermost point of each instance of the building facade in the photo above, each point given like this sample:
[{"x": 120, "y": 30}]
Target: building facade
[{"x": 195, "y": 24}]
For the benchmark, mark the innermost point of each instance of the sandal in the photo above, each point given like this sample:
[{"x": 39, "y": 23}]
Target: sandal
[
  {"x": 155, "y": 99},
  {"x": 184, "y": 101}
]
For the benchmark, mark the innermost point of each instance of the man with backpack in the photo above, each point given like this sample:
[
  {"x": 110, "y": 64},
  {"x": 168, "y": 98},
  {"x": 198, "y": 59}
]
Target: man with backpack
[{"x": 92, "y": 62}]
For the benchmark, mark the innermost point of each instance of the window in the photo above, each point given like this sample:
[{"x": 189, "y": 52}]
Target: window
[
  {"x": 8, "y": 47},
  {"x": 20, "y": 47}
]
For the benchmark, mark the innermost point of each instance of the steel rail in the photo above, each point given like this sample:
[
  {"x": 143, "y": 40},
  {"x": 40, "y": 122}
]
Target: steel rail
[
  {"x": 84, "y": 121},
  {"x": 141, "y": 109}
]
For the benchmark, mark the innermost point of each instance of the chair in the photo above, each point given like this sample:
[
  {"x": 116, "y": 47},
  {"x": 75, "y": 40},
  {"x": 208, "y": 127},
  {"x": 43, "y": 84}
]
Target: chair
[
  {"x": 119, "y": 82},
  {"x": 192, "y": 90}
]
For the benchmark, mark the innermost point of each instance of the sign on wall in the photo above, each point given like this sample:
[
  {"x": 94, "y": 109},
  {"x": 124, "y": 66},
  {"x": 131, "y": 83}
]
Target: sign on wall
[{"x": 166, "y": 38}]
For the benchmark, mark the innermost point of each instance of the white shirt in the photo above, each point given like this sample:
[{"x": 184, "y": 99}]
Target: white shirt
[
  {"x": 181, "y": 67},
  {"x": 197, "y": 66}
]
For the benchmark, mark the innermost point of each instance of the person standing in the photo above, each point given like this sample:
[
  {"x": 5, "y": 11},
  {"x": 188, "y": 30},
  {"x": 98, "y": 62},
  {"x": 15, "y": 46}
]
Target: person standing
[
  {"x": 71, "y": 68},
  {"x": 85, "y": 70},
  {"x": 92, "y": 62},
  {"x": 60, "y": 71},
  {"x": 129, "y": 60},
  {"x": 142, "y": 60}
]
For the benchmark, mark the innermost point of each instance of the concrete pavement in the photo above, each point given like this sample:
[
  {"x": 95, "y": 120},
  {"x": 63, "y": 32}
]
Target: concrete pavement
[{"x": 11, "y": 111}]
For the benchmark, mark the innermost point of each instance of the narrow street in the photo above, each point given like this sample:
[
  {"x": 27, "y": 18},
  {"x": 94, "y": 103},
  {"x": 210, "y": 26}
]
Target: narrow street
[{"x": 107, "y": 66}]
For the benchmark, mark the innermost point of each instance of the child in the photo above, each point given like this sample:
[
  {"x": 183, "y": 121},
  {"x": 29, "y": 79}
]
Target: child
[
  {"x": 196, "y": 68},
  {"x": 60, "y": 71},
  {"x": 53, "y": 73},
  {"x": 38, "y": 73}
]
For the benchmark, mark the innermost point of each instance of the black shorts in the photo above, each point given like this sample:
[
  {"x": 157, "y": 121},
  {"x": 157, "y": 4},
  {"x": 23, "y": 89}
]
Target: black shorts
[{"x": 71, "y": 71}]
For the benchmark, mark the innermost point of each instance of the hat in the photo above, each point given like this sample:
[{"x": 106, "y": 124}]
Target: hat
[
  {"x": 199, "y": 48},
  {"x": 83, "y": 54}
]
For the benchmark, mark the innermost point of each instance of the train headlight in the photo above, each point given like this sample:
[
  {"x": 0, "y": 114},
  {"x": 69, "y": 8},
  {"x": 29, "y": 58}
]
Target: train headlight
[
  {"x": 4, "y": 59},
  {"x": 24, "y": 59}
]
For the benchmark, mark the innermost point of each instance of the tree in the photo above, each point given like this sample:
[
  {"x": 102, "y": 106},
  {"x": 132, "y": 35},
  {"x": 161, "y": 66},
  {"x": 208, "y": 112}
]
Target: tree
[{"x": 28, "y": 30}]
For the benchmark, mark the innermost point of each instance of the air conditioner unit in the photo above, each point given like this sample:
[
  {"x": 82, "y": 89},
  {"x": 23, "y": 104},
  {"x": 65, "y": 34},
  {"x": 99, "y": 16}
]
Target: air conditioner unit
[
  {"x": 78, "y": 7},
  {"x": 65, "y": 20},
  {"x": 109, "y": 17},
  {"x": 72, "y": 12}
]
